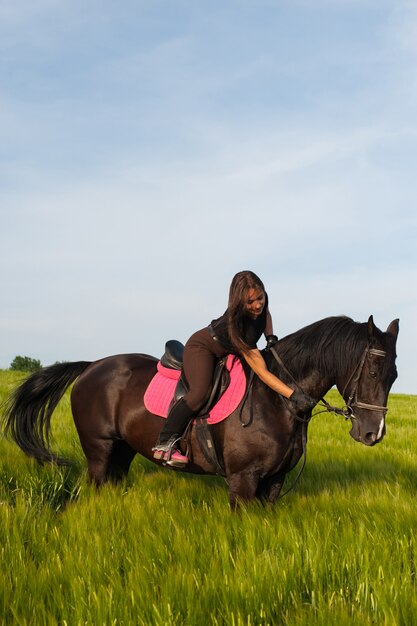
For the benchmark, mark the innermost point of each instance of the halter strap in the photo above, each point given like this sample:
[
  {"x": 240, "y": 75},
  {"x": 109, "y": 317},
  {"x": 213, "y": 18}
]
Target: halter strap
[{"x": 352, "y": 401}]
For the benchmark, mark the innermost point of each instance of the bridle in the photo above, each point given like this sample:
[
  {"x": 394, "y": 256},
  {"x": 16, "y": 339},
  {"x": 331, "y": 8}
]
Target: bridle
[{"x": 353, "y": 397}]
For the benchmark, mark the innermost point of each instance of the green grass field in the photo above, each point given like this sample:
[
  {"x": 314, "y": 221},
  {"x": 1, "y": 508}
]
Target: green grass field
[{"x": 164, "y": 548}]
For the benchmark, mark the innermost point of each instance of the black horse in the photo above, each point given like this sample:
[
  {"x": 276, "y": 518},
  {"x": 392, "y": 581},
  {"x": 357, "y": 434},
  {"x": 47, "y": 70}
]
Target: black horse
[{"x": 113, "y": 423}]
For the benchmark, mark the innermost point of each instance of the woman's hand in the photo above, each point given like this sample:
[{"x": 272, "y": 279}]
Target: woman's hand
[
  {"x": 302, "y": 401},
  {"x": 271, "y": 340}
]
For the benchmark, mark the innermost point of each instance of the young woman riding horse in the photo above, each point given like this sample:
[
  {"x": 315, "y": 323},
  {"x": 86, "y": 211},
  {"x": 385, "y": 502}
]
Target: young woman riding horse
[
  {"x": 237, "y": 332},
  {"x": 114, "y": 425}
]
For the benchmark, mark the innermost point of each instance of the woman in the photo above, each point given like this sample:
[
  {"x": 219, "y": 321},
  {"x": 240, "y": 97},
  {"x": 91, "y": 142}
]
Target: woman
[{"x": 237, "y": 331}]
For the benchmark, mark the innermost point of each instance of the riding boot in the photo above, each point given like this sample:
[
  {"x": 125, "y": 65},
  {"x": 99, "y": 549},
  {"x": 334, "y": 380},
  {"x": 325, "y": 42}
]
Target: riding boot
[
  {"x": 178, "y": 417},
  {"x": 166, "y": 447}
]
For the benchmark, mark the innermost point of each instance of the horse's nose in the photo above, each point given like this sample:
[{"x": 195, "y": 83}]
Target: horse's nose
[{"x": 370, "y": 439}]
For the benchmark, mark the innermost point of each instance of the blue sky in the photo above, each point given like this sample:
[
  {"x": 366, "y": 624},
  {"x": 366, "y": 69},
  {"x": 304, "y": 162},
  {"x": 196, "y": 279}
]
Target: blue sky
[{"x": 151, "y": 149}]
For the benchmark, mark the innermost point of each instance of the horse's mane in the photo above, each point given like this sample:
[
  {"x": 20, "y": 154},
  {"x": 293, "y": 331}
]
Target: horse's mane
[{"x": 328, "y": 345}]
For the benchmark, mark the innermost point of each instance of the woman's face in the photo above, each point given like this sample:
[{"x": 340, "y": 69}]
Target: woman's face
[{"x": 254, "y": 302}]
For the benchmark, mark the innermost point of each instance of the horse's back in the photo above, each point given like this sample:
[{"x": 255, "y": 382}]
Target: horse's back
[
  {"x": 108, "y": 385},
  {"x": 112, "y": 370}
]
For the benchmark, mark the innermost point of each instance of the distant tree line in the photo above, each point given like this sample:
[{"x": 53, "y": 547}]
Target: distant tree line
[{"x": 25, "y": 364}]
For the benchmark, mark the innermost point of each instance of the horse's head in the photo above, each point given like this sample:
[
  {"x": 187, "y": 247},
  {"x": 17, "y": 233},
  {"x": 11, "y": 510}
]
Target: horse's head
[{"x": 366, "y": 390}]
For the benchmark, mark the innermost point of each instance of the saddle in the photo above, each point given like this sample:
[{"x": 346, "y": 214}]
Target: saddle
[
  {"x": 169, "y": 384},
  {"x": 172, "y": 359}
]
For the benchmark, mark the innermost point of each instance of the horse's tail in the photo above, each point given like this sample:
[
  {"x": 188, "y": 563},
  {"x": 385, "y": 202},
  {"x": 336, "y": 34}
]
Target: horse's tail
[{"x": 28, "y": 410}]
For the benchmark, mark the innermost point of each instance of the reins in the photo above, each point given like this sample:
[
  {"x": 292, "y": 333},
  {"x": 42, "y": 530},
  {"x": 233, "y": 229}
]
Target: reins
[
  {"x": 327, "y": 407},
  {"x": 304, "y": 421},
  {"x": 347, "y": 410},
  {"x": 248, "y": 395}
]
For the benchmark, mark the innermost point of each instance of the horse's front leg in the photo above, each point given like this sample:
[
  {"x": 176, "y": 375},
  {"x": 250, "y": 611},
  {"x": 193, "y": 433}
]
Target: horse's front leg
[
  {"x": 242, "y": 487},
  {"x": 269, "y": 488}
]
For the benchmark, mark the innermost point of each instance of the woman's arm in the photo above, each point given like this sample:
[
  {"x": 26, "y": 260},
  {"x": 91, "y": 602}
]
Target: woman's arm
[{"x": 256, "y": 362}]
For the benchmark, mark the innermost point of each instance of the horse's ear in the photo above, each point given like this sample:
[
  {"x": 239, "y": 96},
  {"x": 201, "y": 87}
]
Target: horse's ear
[
  {"x": 371, "y": 326},
  {"x": 393, "y": 328}
]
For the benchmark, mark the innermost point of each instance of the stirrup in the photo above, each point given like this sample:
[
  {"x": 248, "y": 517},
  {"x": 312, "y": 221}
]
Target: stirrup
[
  {"x": 164, "y": 447},
  {"x": 169, "y": 454}
]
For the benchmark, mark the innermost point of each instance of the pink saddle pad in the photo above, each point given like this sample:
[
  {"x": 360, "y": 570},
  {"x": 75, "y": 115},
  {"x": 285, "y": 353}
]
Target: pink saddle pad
[{"x": 161, "y": 390}]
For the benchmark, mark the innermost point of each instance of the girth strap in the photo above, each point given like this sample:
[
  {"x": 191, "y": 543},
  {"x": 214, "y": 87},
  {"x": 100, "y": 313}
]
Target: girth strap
[
  {"x": 203, "y": 429},
  {"x": 207, "y": 445}
]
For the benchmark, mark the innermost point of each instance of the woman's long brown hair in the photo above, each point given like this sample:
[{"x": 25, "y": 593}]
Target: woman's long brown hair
[{"x": 241, "y": 283}]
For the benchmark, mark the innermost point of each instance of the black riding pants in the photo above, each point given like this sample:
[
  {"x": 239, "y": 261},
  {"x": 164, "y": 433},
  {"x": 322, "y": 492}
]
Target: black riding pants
[{"x": 201, "y": 354}]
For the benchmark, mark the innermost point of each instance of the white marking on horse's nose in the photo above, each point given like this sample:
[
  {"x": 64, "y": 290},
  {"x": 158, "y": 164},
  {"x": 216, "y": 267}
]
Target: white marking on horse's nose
[{"x": 381, "y": 428}]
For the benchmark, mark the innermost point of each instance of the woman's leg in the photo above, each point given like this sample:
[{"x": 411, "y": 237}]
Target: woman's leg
[
  {"x": 166, "y": 448},
  {"x": 198, "y": 364},
  {"x": 176, "y": 422}
]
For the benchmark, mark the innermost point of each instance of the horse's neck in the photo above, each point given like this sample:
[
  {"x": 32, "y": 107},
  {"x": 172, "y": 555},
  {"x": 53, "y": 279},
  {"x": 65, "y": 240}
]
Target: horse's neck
[
  {"x": 314, "y": 382},
  {"x": 316, "y": 374}
]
